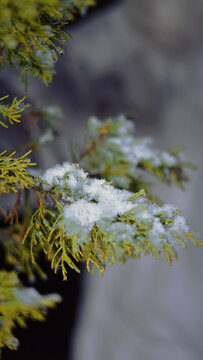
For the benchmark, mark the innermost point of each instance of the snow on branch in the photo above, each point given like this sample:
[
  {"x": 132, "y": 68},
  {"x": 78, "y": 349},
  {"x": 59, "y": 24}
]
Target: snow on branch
[
  {"x": 19, "y": 304},
  {"x": 85, "y": 219},
  {"x": 114, "y": 152}
]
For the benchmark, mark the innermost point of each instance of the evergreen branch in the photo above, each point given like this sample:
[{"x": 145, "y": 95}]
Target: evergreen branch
[
  {"x": 12, "y": 112},
  {"x": 30, "y": 32},
  {"x": 83, "y": 219},
  {"x": 19, "y": 304},
  {"x": 13, "y": 172},
  {"x": 112, "y": 151},
  {"x": 17, "y": 255},
  {"x": 46, "y": 120}
]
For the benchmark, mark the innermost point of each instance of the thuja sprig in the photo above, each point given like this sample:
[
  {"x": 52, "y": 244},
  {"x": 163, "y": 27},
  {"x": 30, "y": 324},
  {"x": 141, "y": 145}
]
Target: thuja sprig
[
  {"x": 17, "y": 254},
  {"x": 31, "y": 34},
  {"x": 84, "y": 219},
  {"x": 19, "y": 304},
  {"x": 112, "y": 151},
  {"x": 13, "y": 172},
  {"x": 11, "y": 112}
]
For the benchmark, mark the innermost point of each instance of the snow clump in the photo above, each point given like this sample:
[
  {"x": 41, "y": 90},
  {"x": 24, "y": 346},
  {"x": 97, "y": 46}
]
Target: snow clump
[{"x": 94, "y": 202}]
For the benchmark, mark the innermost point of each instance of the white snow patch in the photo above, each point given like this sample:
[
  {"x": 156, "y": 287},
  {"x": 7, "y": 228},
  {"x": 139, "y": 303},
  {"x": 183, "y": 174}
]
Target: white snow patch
[
  {"x": 56, "y": 173},
  {"x": 95, "y": 202},
  {"x": 134, "y": 149}
]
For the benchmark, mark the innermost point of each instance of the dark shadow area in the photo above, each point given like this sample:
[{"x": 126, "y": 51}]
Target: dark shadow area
[{"x": 51, "y": 339}]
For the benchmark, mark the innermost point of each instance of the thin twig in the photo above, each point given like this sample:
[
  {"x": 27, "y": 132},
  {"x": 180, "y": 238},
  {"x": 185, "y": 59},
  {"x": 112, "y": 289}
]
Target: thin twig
[
  {"x": 3, "y": 212},
  {"x": 91, "y": 147},
  {"x": 14, "y": 212},
  {"x": 50, "y": 193}
]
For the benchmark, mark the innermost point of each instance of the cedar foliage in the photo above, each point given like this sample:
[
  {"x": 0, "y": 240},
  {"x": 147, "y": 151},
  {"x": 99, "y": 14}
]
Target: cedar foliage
[{"x": 101, "y": 218}]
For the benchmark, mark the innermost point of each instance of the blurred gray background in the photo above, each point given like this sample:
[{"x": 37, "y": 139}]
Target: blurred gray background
[{"x": 143, "y": 57}]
